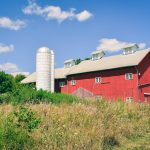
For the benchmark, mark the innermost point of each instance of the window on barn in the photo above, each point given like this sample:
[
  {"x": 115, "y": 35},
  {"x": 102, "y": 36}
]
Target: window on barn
[
  {"x": 130, "y": 48},
  {"x": 128, "y": 76},
  {"x": 129, "y": 99},
  {"x": 98, "y": 54},
  {"x": 95, "y": 57},
  {"x": 61, "y": 84},
  {"x": 73, "y": 82},
  {"x": 69, "y": 63},
  {"x": 98, "y": 80}
]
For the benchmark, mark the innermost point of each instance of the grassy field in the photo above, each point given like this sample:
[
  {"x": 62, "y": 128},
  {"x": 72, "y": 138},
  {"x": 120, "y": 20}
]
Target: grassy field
[{"x": 88, "y": 125}]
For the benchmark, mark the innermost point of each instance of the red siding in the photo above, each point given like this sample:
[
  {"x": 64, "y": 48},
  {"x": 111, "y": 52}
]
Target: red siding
[
  {"x": 144, "y": 77},
  {"x": 113, "y": 86}
]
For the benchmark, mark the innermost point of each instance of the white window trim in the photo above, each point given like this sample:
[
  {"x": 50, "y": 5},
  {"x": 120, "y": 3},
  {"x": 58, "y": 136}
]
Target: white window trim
[
  {"x": 126, "y": 76},
  {"x": 129, "y": 99},
  {"x": 61, "y": 84},
  {"x": 99, "y": 80},
  {"x": 95, "y": 57},
  {"x": 73, "y": 82}
]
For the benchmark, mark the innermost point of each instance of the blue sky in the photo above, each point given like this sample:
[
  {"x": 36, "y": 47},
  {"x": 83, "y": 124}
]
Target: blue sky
[{"x": 73, "y": 29}]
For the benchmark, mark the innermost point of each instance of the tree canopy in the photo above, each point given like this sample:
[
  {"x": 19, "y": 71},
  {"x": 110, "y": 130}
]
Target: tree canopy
[
  {"x": 6, "y": 82},
  {"x": 19, "y": 78}
]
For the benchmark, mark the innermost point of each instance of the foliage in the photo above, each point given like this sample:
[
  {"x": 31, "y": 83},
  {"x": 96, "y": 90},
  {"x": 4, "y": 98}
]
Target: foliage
[
  {"x": 27, "y": 94},
  {"x": 5, "y": 97},
  {"x": 87, "y": 58},
  {"x": 11, "y": 91},
  {"x": 77, "y": 61},
  {"x": 56, "y": 98},
  {"x": 15, "y": 130},
  {"x": 7, "y": 83},
  {"x": 26, "y": 119},
  {"x": 19, "y": 78}
]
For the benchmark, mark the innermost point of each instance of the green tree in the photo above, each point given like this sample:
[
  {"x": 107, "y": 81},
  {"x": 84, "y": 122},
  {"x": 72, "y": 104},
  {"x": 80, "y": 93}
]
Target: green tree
[
  {"x": 77, "y": 61},
  {"x": 19, "y": 78},
  {"x": 87, "y": 58},
  {"x": 6, "y": 82}
]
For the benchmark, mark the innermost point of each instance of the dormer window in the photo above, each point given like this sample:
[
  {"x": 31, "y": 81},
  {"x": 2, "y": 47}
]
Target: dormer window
[
  {"x": 97, "y": 55},
  {"x": 130, "y": 49},
  {"x": 69, "y": 63}
]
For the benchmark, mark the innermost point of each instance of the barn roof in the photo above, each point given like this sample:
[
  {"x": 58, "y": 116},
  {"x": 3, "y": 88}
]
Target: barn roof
[
  {"x": 60, "y": 73},
  {"x": 30, "y": 79},
  {"x": 105, "y": 63},
  {"x": 111, "y": 62}
]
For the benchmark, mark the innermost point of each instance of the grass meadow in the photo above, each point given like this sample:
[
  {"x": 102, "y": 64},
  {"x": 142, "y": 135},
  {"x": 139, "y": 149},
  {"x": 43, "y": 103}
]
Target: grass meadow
[{"x": 84, "y": 125}]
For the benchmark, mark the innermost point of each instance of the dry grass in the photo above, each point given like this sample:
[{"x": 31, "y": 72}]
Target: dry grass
[{"x": 91, "y": 126}]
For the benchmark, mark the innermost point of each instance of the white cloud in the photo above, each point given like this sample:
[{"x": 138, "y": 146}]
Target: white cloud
[
  {"x": 83, "y": 15},
  {"x": 33, "y": 8},
  {"x": 6, "y": 48},
  {"x": 10, "y": 24},
  {"x": 9, "y": 67},
  {"x": 115, "y": 45},
  {"x": 52, "y": 12},
  {"x": 56, "y": 13},
  {"x": 22, "y": 73}
]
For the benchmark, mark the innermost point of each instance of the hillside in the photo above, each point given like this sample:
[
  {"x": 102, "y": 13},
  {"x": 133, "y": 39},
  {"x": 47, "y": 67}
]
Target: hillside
[{"x": 84, "y": 125}]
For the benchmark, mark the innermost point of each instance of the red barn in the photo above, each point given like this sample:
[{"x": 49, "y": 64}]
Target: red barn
[{"x": 125, "y": 76}]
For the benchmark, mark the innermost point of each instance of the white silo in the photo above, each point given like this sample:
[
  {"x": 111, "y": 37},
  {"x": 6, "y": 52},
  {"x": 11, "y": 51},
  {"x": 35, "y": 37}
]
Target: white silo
[{"x": 45, "y": 69}]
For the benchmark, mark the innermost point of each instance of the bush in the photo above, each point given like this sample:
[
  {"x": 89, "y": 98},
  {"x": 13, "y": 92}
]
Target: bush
[
  {"x": 26, "y": 119},
  {"x": 4, "y": 98},
  {"x": 26, "y": 94},
  {"x": 22, "y": 94},
  {"x": 15, "y": 130},
  {"x": 56, "y": 98}
]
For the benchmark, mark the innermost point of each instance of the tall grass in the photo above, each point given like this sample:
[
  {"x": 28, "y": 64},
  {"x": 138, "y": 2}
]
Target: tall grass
[{"x": 90, "y": 125}]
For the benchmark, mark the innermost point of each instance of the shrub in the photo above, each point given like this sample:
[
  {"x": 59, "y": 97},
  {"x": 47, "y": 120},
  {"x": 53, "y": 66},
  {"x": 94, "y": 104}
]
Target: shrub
[
  {"x": 26, "y": 94},
  {"x": 15, "y": 130},
  {"x": 26, "y": 119},
  {"x": 22, "y": 94},
  {"x": 4, "y": 98}
]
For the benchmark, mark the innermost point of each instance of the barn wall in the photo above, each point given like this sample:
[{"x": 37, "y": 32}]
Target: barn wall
[
  {"x": 144, "y": 77},
  {"x": 60, "y": 89},
  {"x": 113, "y": 86}
]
